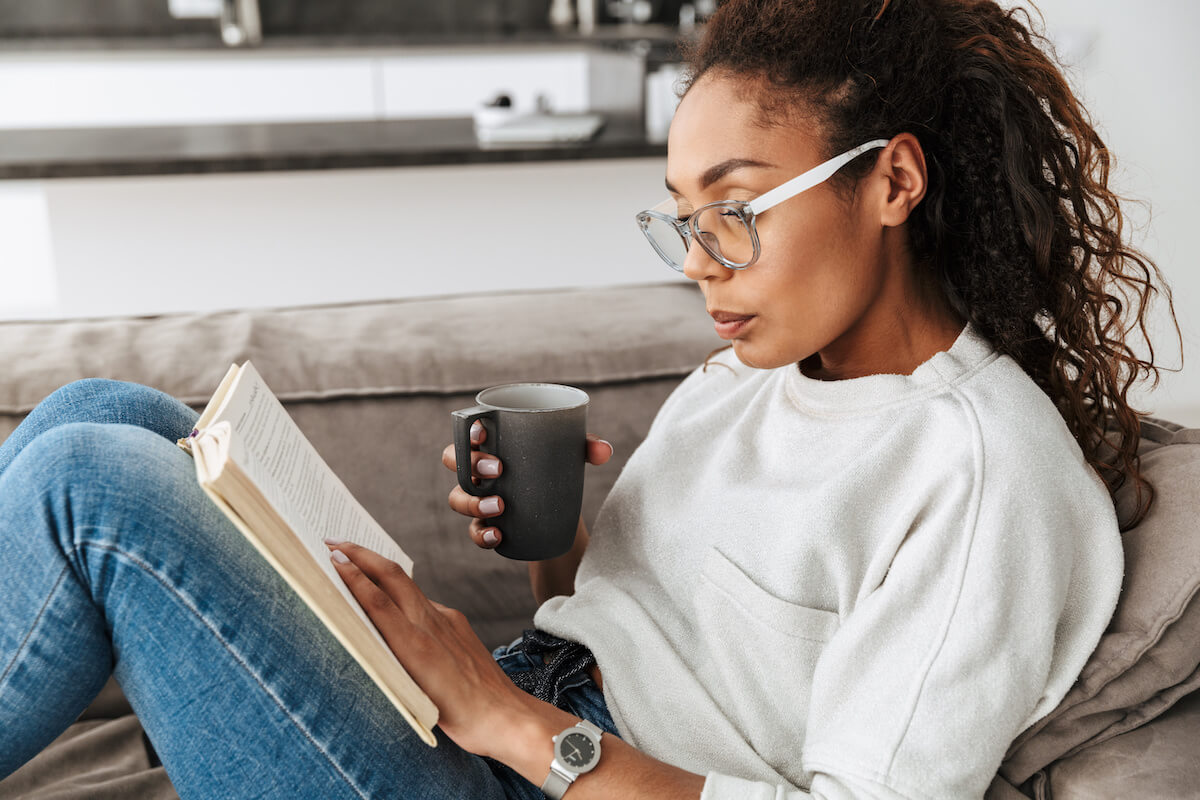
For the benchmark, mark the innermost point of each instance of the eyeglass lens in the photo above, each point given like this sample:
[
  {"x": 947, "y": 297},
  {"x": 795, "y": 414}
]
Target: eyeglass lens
[
  {"x": 666, "y": 240},
  {"x": 723, "y": 232},
  {"x": 725, "y": 235}
]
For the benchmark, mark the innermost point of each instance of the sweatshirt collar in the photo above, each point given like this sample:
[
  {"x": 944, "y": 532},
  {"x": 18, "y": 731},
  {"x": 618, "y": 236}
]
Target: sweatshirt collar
[{"x": 970, "y": 351}]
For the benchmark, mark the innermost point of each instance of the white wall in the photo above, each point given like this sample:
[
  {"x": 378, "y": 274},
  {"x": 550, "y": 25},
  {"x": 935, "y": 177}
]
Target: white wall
[{"x": 1136, "y": 68}]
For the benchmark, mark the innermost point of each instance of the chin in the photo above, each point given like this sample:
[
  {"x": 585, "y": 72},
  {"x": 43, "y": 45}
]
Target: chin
[{"x": 757, "y": 359}]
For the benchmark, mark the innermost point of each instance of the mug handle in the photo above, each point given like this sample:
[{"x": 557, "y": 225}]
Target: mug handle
[{"x": 462, "y": 447}]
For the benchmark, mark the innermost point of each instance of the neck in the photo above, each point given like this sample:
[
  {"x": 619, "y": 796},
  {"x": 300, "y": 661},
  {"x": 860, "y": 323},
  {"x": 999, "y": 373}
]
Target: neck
[{"x": 908, "y": 323}]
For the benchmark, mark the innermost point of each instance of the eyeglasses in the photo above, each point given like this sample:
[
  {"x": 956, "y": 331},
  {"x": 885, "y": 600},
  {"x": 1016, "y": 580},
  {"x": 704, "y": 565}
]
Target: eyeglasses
[{"x": 726, "y": 229}]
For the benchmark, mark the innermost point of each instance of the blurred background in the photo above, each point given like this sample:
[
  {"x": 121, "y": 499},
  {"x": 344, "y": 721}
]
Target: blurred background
[{"x": 163, "y": 156}]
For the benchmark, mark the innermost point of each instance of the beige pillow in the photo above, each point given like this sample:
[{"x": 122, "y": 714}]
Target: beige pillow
[
  {"x": 1149, "y": 657},
  {"x": 1157, "y": 761}
]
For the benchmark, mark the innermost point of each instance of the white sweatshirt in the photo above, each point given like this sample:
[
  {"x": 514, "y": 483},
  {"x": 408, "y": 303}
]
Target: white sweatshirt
[{"x": 862, "y": 588}]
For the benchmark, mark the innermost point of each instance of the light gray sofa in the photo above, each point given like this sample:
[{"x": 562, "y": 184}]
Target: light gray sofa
[{"x": 372, "y": 384}]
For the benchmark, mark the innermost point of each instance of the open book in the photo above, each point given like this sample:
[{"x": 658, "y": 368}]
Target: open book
[{"x": 260, "y": 469}]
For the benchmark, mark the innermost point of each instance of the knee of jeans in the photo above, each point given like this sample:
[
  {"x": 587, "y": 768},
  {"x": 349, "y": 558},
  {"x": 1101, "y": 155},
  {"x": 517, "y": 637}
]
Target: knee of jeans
[
  {"x": 99, "y": 394},
  {"x": 87, "y": 481},
  {"x": 80, "y": 458},
  {"x": 105, "y": 400}
]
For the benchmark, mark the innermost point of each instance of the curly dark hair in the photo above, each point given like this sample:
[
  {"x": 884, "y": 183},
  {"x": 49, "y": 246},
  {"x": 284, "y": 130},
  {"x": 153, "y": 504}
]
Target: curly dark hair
[{"x": 1018, "y": 225}]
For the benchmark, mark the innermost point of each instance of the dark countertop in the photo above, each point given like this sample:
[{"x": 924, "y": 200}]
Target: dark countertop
[{"x": 195, "y": 149}]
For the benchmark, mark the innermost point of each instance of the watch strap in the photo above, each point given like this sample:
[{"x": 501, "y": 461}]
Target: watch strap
[
  {"x": 556, "y": 784},
  {"x": 591, "y": 726}
]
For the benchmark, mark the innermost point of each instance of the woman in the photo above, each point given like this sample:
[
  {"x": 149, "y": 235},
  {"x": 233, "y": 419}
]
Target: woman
[{"x": 854, "y": 558}]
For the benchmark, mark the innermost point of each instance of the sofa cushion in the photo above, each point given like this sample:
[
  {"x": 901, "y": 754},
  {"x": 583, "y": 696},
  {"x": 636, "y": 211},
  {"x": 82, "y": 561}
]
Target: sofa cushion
[
  {"x": 1157, "y": 761},
  {"x": 1149, "y": 657},
  {"x": 96, "y": 759}
]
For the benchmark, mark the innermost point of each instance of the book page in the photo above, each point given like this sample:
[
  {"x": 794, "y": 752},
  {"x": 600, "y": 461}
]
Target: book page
[
  {"x": 275, "y": 455},
  {"x": 288, "y": 556}
]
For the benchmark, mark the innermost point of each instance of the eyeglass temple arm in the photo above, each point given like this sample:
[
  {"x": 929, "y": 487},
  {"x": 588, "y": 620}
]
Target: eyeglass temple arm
[{"x": 809, "y": 179}]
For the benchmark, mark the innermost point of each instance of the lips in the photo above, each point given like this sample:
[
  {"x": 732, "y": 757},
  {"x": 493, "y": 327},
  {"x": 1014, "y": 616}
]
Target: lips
[
  {"x": 728, "y": 316},
  {"x": 730, "y": 324}
]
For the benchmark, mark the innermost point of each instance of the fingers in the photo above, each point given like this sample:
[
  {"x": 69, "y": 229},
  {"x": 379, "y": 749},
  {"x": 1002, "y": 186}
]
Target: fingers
[
  {"x": 483, "y": 465},
  {"x": 379, "y": 584},
  {"x": 484, "y": 535},
  {"x": 478, "y": 433},
  {"x": 382, "y": 587},
  {"x": 413, "y": 626},
  {"x": 598, "y": 450},
  {"x": 479, "y": 508},
  {"x": 471, "y": 506}
]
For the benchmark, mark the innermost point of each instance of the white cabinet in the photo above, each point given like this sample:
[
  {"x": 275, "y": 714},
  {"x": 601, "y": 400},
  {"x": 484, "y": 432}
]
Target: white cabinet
[
  {"x": 441, "y": 84},
  {"x": 148, "y": 89},
  {"x": 66, "y": 90}
]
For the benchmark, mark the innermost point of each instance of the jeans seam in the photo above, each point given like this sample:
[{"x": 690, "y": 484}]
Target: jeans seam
[
  {"x": 41, "y": 611},
  {"x": 187, "y": 602}
]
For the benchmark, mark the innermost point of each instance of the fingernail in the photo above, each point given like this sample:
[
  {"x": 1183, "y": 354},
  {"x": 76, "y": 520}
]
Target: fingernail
[
  {"x": 490, "y": 538},
  {"x": 488, "y": 467},
  {"x": 340, "y": 557},
  {"x": 490, "y": 505},
  {"x": 476, "y": 432},
  {"x": 331, "y": 542}
]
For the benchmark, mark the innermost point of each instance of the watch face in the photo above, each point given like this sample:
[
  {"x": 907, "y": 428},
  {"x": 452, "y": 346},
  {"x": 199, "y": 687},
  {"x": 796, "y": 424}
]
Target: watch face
[{"x": 576, "y": 750}]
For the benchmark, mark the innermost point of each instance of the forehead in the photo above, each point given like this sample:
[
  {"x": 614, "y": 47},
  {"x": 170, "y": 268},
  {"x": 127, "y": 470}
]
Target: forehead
[{"x": 720, "y": 119}]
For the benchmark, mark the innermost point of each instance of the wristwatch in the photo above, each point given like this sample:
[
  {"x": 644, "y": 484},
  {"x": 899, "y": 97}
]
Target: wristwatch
[{"x": 576, "y": 751}]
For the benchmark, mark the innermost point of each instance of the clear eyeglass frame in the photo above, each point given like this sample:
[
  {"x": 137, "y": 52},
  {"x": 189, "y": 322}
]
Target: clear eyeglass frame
[{"x": 746, "y": 211}]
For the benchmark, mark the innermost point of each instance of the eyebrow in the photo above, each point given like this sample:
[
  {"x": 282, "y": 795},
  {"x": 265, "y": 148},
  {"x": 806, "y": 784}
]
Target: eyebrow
[{"x": 718, "y": 171}]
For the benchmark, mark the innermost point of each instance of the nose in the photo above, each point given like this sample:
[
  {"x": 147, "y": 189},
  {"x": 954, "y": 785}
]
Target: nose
[{"x": 699, "y": 265}]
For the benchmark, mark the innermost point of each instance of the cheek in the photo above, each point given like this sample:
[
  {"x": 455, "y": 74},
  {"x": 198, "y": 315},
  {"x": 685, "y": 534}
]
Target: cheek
[
  {"x": 806, "y": 295},
  {"x": 820, "y": 261},
  {"x": 801, "y": 245},
  {"x": 797, "y": 274}
]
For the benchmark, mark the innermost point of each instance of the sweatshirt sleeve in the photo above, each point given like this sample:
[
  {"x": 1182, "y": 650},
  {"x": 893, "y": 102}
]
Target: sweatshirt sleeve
[
  {"x": 988, "y": 610},
  {"x": 727, "y": 787}
]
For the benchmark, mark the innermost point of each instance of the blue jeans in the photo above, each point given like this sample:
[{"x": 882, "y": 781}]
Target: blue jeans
[{"x": 113, "y": 561}]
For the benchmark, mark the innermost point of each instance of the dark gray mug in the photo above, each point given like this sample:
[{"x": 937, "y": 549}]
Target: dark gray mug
[{"x": 539, "y": 432}]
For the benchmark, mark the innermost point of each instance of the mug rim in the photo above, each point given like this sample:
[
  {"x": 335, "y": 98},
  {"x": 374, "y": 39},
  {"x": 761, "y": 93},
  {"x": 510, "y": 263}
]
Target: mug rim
[{"x": 580, "y": 394}]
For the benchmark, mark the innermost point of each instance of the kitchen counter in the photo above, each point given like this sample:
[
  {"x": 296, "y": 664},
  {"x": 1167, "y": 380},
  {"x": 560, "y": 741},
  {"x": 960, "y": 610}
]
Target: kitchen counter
[{"x": 193, "y": 149}]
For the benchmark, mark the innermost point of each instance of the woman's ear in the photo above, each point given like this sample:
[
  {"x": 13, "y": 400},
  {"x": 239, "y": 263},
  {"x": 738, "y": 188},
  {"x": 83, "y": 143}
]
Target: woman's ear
[{"x": 901, "y": 167}]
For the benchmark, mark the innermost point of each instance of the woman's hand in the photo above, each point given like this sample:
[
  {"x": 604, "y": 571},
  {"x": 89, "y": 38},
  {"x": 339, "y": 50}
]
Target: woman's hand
[
  {"x": 480, "y": 708},
  {"x": 437, "y": 646},
  {"x": 485, "y": 465}
]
